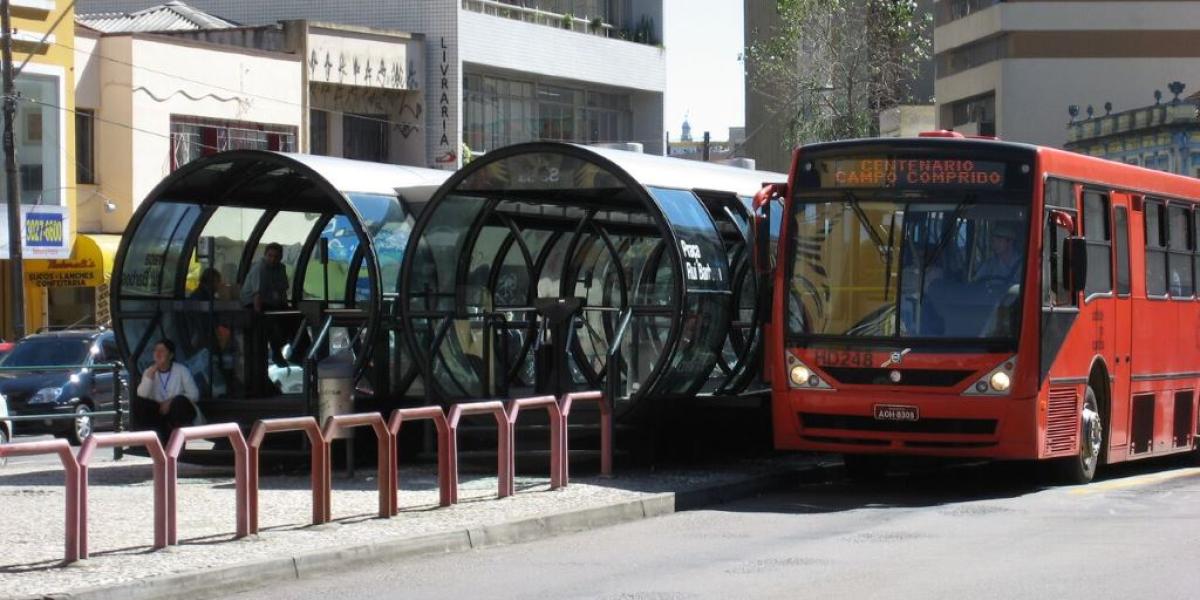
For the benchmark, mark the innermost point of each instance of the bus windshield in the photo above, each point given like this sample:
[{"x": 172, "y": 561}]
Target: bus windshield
[{"x": 884, "y": 264}]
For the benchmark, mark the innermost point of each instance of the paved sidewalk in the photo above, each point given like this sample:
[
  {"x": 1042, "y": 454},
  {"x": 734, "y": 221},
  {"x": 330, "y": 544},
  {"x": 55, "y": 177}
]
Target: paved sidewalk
[{"x": 122, "y": 565}]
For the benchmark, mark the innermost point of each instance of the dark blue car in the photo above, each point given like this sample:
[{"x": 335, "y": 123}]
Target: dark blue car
[{"x": 62, "y": 381}]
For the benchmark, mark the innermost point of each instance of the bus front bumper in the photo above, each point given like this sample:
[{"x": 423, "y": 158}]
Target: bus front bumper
[{"x": 906, "y": 423}]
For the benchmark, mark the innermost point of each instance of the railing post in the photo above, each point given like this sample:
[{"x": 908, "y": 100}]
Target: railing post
[
  {"x": 550, "y": 403},
  {"x": 318, "y": 455},
  {"x": 72, "y": 486},
  {"x": 606, "y": 431},
  {"x": 503, "y": 449},
  {"x": 149, "y": 441},
  {"x": 175, "y": 447},
  {"x": 386, "y": 455},
  {"x": 435, "y": 414}
]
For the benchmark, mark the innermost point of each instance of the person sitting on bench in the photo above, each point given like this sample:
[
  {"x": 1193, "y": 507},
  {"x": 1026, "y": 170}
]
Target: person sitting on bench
[{"x": 166, "y": 396}]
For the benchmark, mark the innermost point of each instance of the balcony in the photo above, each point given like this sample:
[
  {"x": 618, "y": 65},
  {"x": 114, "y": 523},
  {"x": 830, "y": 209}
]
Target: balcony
[{"x": 558, "y": 14}]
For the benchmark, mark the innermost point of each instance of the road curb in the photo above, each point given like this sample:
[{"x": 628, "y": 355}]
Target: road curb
[{"x": 310, "y": 564}]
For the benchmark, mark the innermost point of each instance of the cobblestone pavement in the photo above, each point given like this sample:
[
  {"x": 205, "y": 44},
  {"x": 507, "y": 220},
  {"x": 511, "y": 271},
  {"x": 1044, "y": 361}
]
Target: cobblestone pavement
[{"x": 121, "y": 527}]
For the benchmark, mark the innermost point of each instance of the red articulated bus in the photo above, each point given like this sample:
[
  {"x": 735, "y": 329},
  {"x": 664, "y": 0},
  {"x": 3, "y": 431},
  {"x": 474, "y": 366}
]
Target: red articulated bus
[{"x": 946, "y": 296}]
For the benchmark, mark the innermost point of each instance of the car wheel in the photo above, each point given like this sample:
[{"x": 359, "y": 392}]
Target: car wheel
[
  {"x": 1080, "y": 469},
  {"x": 3, "y": 440},
  {"x": 83, "y": 424}
]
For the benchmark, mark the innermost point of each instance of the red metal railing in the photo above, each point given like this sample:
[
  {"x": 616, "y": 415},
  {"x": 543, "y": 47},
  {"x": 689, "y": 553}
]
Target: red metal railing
[
  {"x": 503, "y": 450},
  {"x": 386, "y": 456},
  {"x": 71, "y": 471},
  {"x": 145, "y": 439},
  {"x": 319, "y": 460},
  {"x": 606, "y": 431},
  {"x": 175, "y": 446},
  {"x": 435, "y": 414},
  {"x": 557, "y": 446}
]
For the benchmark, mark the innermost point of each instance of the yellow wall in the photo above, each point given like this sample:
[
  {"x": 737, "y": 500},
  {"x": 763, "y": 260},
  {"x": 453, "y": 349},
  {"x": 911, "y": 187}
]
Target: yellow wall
[{"x": 60, "y": 22}]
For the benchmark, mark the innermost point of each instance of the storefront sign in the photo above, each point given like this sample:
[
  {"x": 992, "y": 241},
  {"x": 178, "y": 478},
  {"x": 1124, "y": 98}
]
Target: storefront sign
[{"x": 45, "y": 232}]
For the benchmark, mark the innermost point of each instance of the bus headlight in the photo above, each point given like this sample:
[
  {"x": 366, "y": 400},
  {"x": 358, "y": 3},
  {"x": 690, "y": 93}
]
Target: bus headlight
[
  {"x": 800, "y": 375},
  {"x": 996, "y": 382},
  {"x": 1000, "y": 381}
]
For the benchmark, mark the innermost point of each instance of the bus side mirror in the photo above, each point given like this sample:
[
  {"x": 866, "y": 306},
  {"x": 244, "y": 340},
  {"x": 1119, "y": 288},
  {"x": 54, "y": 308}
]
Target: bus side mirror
[
  {"x": 762, "y": 227},
  {"x": 1075, "y": 267}
]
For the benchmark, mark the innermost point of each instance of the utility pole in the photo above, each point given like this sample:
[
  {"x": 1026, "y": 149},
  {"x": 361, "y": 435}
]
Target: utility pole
[{"x": 12, "y": 194}]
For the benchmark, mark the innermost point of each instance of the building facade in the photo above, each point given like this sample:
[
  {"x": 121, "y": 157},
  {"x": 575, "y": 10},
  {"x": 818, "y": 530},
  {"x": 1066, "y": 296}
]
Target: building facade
[
  {"x": 44, "y": 138},
  {"x": 1009, "y": 68},
  {"x": 1163, "y": 136},
  {"x": 497, "y": 73},
  {"x": 144, "y": 109}
]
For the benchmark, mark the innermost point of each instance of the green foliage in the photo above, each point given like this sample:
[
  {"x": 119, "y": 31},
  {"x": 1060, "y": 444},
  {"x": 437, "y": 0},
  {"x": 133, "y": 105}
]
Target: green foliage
[{"x": 829, "y": 67}]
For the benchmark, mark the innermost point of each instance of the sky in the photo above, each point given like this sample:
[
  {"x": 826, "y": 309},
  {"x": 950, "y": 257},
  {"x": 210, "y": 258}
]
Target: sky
[{"x": 703, "y": 39}]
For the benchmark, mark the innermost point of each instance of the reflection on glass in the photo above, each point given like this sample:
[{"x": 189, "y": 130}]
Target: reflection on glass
[
  {"x": 152, "y": 261},
  {"x": 229, "y": 227},
  {"x": 881, "y": 267}
]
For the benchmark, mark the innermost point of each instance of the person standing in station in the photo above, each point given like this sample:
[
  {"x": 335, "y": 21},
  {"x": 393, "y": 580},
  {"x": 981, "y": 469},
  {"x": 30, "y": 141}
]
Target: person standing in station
[{"x": 265, "y": 289}]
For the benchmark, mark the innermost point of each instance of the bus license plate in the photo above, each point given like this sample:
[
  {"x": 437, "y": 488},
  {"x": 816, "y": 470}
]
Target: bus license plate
[{"x": 896, "y": 412}]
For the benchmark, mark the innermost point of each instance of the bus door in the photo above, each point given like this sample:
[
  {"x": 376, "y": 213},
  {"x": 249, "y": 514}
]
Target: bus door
[{"x": 1121, "y": 356}]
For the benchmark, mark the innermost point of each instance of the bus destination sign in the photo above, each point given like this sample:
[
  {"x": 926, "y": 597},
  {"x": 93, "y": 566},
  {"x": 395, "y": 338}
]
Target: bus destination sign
[{"x": 911, "y": 173}]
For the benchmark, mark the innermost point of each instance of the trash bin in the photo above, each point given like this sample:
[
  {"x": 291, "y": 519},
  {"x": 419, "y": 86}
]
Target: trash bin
[{"x": 335, "y": 388}]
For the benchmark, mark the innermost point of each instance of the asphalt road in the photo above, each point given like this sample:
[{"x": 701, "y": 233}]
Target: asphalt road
[{"x": 945, "y": 532}]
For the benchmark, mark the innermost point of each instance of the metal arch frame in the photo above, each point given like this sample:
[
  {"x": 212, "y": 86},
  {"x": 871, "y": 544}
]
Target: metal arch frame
[
  {"x": 573, "y": 151},
  {"x": 253, "y": 158}
]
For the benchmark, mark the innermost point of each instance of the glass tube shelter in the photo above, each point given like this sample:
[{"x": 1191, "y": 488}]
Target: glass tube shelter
[
  {"x": 343, "y": 227},
  {"x": 643, "y": 261}
]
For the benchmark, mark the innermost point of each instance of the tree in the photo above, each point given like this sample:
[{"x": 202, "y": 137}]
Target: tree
[{"x": 831, "y": 66}]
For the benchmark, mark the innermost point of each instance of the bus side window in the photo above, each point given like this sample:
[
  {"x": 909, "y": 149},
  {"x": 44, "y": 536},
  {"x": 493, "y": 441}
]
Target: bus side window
[
  {"x": 1099, "y": 243},
  {"x": 1054, "y": 238},
  {"x": 1156, "y": 250},
  {"x": 1121, "y": 238},
  {"x": 1196, "y": 246},
  {"x": 1180, "y": 248}
]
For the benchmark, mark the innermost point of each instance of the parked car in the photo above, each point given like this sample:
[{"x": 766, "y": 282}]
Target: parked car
[{"x": 77, "y": 388}]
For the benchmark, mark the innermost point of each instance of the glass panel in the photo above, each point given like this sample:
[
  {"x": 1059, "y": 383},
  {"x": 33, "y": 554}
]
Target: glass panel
[
  {"x": 228, "y": 228},
  {"x": 881, "y": 267},
  {"x": 704, "y": 320},
  {"x": 1156, "y": 259},
  {"x": 328, "y": 281},
  {"x": 1121, "y": 226},
  {"x": 151, "y": 263},
  {"x": 699, "y": 341},
  {"x": 290, "y": 230},
  {"x": 36, "y": 137},
  {"x": 432, "y": 288},
  {"x": 389, "y": 226},
  {"x": 705, "y": 265}
]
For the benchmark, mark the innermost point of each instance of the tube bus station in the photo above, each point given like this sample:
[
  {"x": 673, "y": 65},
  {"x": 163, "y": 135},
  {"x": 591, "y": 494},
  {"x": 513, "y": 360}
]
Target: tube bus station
[{"x": 537, "y": 268}]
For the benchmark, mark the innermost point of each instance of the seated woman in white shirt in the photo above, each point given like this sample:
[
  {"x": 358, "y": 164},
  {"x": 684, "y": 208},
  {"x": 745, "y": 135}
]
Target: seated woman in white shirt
[{"x": 166, "y": 396}]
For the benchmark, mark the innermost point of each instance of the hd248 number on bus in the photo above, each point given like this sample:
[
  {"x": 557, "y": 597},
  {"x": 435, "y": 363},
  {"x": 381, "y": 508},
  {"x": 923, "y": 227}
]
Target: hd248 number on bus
[{"x": 845, "y": 358}]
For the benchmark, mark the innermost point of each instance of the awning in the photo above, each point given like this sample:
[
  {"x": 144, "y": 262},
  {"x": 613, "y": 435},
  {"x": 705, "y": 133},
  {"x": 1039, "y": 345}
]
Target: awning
[{"x": 90, "y": 264}]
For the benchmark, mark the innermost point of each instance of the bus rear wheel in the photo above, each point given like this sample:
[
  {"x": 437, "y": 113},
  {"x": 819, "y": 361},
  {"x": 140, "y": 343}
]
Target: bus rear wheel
[
  {"x": 1081, "y": 469},
  {"x": 865, "y": 468}
]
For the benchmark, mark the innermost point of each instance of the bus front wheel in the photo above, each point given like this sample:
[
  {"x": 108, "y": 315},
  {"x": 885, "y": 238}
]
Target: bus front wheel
[{"x": 1081, "y": 469}]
